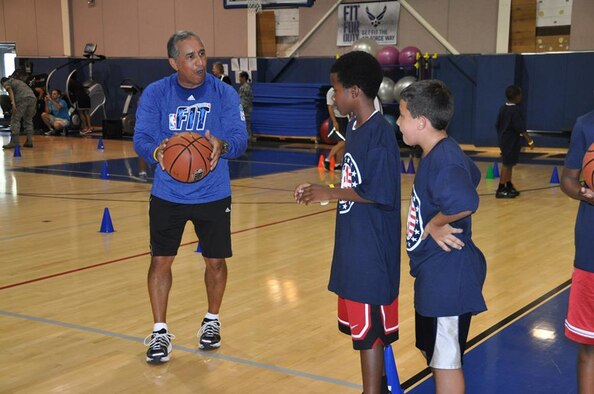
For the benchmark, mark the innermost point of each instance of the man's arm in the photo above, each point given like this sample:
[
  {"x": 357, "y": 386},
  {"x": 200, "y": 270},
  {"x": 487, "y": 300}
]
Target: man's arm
[{"x": 12, "y": 98}]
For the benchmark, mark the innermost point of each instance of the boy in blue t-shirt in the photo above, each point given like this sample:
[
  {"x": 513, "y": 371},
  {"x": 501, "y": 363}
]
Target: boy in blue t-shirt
[
  {"x": 449, "y": 269},
  {"x": 366, "y": 262},
  {"x": 579, "y": 325}
]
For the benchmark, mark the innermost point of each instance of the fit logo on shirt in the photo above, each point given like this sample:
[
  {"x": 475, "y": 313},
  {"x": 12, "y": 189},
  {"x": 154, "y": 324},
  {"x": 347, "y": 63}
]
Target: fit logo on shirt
[
  {"x": 414, "y": 223},
  {"x": 189, "y": 117},
  {"x": 351, "y": 177}
]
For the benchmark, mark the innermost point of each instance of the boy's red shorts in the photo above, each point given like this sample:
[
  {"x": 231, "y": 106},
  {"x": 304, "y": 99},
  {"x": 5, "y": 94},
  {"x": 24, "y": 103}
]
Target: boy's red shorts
[
  {"x": 368, "y": 325},
  {"x": 579, "y": 325}
]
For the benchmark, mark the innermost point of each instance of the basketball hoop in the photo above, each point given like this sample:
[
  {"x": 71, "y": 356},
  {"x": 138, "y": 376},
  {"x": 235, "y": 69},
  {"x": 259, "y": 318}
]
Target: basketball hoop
[{"x": 254, "y": 6}]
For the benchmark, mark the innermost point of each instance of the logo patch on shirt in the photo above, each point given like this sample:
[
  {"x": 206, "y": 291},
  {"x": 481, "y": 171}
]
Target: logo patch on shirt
[
  {"x": 414, "y": 222},
  {"x": 350, "y": 178},
  {"x": 189, "y": 117},
  {"x": 191, "y": 98}
]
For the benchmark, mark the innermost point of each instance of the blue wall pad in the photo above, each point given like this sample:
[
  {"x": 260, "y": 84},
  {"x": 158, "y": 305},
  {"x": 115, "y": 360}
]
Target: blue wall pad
[{"x": 288, "y": 109}]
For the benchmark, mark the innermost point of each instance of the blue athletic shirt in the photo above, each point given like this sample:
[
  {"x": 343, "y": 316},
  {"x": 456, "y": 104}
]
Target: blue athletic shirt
[
  {"x": 582, "y": 137},
  {"x": 366, "y": 261},
  {"x": 167, "y": 108},
  {"x": 61, "y": 113},
  {"x": 446, "y": 283}
]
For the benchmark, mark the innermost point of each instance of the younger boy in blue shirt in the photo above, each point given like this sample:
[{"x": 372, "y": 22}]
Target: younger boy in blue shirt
[
  {"x": 366, "y": 263},
  {"x": 449, "y": 269}
]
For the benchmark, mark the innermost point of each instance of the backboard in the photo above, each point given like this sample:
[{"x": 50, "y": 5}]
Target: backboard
[{"x": 266, "y": 4}]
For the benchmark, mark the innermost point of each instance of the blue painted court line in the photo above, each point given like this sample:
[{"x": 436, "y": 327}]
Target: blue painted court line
[
  {"x": 531, "y": 355},
  {"x": 253, "y": 163},
  {"x": 185, "y": 349}
]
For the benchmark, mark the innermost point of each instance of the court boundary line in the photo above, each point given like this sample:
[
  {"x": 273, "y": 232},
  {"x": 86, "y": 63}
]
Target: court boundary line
[
  {"x": 224, "y": 357},
  {"x": 424, "y": 374}
]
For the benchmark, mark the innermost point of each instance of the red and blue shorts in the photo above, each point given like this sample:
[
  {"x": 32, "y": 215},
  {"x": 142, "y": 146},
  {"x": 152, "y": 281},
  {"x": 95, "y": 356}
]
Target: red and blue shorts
[{"x": 579, "y": 325}]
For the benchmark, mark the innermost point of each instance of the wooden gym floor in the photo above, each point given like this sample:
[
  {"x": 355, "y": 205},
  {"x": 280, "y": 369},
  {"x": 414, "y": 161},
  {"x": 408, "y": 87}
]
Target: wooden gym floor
[{"x": 74, "y": 308}]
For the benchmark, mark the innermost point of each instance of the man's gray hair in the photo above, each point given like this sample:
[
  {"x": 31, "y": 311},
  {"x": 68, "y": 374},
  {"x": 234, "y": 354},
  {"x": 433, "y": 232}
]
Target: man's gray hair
[{"x": 172, "y": 50}]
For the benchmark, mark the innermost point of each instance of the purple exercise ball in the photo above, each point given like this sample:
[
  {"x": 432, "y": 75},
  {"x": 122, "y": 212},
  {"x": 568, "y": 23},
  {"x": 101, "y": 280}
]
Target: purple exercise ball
[
  {"x": 388, "y": 55},
  {"x": 408, "y": 55}
]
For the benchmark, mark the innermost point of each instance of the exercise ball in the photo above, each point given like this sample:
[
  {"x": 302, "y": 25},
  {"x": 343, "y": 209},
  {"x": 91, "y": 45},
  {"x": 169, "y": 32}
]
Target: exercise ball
[
  {"x": 400, "y": 85},
  {"x": 386, "y": 90},
  {"x": 408, "y": 55},
  {"x": 366, "y": 45},
  {"x": 388, "y": 55},
  {"x": 391, "y": 119},
  {"x": 325, "y": 128}
]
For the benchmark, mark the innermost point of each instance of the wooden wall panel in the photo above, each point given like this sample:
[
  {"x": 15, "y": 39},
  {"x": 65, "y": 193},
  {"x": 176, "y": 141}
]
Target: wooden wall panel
[
  {"x": 266, "y": 34},
  {"x": 156, "y": 24},
  {"x": 19, "y": 17},
  {"x": 121, "y": 28},
  {"x": 197, "y": 16},
  {"x": 50, "y": 37},
  {"x": 2, "y": 22},
  {"x": 523, "y": 26},
  {"x": 87, "y": 26}
]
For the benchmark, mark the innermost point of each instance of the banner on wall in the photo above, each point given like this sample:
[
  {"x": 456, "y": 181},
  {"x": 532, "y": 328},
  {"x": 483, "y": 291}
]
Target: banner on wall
[{"x": 377, "y": 20}]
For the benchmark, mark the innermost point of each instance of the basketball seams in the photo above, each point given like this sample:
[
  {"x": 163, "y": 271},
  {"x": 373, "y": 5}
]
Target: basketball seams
[{"x": 182, "y": 158}]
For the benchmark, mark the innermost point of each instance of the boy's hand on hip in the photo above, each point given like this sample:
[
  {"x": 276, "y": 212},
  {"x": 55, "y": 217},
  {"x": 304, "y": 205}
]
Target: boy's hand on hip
[{"x": 444, "y": 236}]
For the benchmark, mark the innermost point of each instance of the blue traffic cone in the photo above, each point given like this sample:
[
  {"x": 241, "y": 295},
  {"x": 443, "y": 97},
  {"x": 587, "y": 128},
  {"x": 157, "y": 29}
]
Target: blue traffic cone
[
  {"x": 199, "y": 248},
  {"x": 402, "y": 167},
  {"x": 411, "y": 167},
  {"x": 17, "y": 151},
  {"x": 106, "y": 225},
  {"x": 104, "y": 173},
  {"x": 100, "y": 144},
  {"x": 391, "y": 371},
  {"x": 554, "y": 176},
  {"x": 495, "y": 170}
]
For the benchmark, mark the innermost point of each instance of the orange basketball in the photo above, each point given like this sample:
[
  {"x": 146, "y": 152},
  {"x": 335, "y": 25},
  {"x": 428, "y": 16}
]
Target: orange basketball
[
  {"x": 186, "y": 157},
  {"x": 588, "y": 167}
]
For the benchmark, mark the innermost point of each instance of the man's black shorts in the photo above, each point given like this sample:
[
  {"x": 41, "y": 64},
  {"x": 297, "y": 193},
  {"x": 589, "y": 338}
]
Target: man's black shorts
[{"x": 212, "y": 224}]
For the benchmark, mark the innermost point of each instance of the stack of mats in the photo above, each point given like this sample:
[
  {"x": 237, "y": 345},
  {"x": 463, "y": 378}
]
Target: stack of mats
[{"x": 289, "y": 109}]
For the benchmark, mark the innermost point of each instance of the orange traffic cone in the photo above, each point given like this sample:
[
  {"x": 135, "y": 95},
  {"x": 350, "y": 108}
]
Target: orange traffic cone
[{"x": 321, "y": 162}]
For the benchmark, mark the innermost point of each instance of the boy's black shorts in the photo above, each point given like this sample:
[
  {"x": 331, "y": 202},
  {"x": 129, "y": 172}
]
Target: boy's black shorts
[
  {"x": 510, "y": 149},
  {"x": 212, "y": 224}
]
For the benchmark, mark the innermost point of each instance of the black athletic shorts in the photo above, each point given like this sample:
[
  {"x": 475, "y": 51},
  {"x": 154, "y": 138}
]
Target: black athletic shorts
[
  {"x": 510, "y": 146},
  {"x": 212, "y": 224}
]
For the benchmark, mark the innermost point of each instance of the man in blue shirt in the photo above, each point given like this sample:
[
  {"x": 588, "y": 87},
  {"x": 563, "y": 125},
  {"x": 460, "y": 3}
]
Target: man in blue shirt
[
  {"x": 189, "y": 100},
  {"x": 56, "y": 115}
]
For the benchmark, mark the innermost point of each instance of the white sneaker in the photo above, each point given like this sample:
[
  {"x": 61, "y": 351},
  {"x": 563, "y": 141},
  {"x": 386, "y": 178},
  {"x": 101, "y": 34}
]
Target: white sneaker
[{"x": 159, "y": 343}]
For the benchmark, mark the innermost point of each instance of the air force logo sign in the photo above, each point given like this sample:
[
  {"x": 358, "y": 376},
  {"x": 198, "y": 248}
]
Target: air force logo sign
[
  {"x": 351, "y": 178},
  {"x": 414, "y": 223}
]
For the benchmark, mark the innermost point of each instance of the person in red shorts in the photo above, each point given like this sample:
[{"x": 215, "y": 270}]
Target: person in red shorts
[
  {"x": 579, "y": 325},
  {"x": 366, "y": 262}
]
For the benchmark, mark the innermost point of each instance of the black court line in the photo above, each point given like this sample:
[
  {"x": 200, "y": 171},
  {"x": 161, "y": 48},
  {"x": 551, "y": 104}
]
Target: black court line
[{"x": 493, "y": 329}]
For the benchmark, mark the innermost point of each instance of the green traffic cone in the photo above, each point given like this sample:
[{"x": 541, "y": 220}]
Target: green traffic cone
[{"x": 490, "y": 172}]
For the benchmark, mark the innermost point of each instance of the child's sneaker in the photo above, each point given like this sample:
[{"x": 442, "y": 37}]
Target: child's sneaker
[
  {"x": 159, "y": 343},
  {"x": 209, "y": 334}
]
